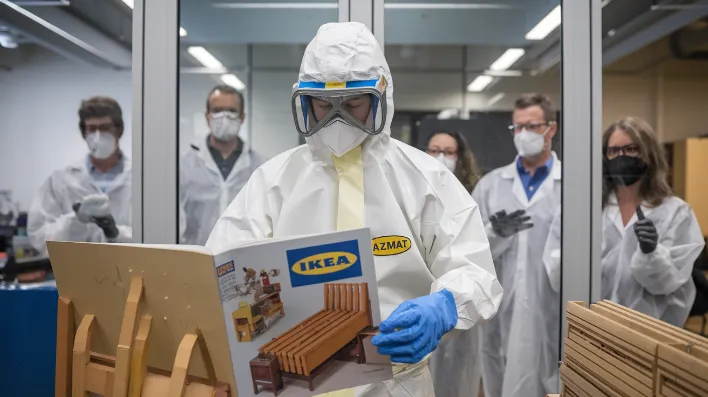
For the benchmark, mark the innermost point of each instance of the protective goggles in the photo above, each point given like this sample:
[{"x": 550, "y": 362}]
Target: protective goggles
[{"x": 348, "y": 102}]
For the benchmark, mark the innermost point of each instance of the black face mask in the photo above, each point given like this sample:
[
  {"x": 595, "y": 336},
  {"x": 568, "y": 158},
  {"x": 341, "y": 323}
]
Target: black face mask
[{"x": 625, "y": 170}]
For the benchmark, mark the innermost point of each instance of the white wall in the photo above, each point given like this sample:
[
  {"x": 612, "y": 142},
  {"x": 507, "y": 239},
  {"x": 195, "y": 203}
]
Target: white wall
[{"x": 39, "y": 101}]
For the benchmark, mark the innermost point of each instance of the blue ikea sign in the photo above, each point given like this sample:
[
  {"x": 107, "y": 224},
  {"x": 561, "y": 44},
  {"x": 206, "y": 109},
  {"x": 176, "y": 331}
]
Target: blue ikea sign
[{"x": 324, "y": 263}]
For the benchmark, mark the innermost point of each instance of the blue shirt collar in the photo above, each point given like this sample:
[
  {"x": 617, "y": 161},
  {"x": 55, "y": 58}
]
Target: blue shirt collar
[{"x": 544, "y": 168}]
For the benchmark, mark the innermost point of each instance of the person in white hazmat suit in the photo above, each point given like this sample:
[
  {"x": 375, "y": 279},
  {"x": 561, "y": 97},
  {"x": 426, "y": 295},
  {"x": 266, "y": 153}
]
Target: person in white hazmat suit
[
  {"x": 651, "y": 238},
  {"x": 351, "y": 174},
  {"x": 88, "y": 201},
  {"x": 518, "y": 201},
  {"x": 215, "y": 168}
]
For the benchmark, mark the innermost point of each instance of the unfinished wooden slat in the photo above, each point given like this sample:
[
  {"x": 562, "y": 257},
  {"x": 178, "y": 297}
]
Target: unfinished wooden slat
[
  {"x": 99, "y": 379},
  {"x": 81, "y": 355},
  {"x": 678, "y": 332},
  {"x": 65, "y": 339},
  {"x": 644, "y": 376},
  {"x": 178, "y": 379},
  {"x": 579, "y": 383},
  {"x": 138, "y": 365},
  {"x": 125, "y": 338}
]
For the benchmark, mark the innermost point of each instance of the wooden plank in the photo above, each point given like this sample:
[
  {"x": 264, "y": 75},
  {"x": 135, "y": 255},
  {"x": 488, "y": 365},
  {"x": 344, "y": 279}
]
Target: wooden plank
[
  {"x": 357, "y": 304},
  {"x": 349, "y": 288},
  {"x": 649, "y": 330},
  {"x": 178, "y": 380},
  {"x": 65, "y": 341},
  {"x": 138, "y": 365},
  {"x": 82, "y": 356},
  {"x": 643, "y": 375},
  {"x": 330, "y": 302},
  {"x": 577, "y": 382},
  {"x": 683, "y": 368},
  {"x": 125, "y": 338},
  {"x": 334, "y": 341},
  {"x": 613, "y": 333},
  {"x": 326, "y": 297},
  {"x": 677, "y": 332},
  {"x": 606, "y": 371},
  {"x": 99, "y": 379}
]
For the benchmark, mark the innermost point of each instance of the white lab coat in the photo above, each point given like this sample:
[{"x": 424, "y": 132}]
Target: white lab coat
[
  {"x": 406, "y": 193},
  {"x": 203, "y": 192},
  {"x": 658, "y": 284},
  {"x": 52, "y": 218},
  {"x": 456, "y": 365},
  {"x": 520, "y": 345}
]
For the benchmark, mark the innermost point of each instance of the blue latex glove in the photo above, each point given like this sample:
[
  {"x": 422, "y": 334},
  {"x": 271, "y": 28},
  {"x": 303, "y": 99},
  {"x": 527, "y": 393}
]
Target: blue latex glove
[{"x": 415, "y": 328}]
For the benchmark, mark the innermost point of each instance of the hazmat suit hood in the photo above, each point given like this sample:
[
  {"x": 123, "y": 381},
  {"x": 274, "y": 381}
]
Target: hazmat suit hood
[{"x": 342, "y": 52}]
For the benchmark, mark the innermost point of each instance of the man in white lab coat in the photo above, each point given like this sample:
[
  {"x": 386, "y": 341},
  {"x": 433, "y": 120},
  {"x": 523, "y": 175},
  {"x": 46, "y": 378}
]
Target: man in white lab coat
[
  {"x": 518, "y": 202},
  {"x": 215, "y": 168},
  {"x": 88, "y": 201}
]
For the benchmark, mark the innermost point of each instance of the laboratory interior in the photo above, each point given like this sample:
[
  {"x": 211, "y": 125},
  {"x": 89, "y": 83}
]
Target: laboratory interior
[{"x": 575, "y": 128}]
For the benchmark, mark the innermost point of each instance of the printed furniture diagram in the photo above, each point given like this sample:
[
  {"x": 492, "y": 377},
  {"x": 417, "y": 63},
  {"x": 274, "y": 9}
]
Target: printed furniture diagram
[
  {"x": 251, "y": 320},
  {"x": 306, "y": 349}
]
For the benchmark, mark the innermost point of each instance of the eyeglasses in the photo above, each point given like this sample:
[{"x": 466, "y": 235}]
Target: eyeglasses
[
  {"x": 536, "y": 127},
  {"x": 446, "y": 152},
  {"x": 99, "y": 127},
  {"x": 631, "y": 150}
]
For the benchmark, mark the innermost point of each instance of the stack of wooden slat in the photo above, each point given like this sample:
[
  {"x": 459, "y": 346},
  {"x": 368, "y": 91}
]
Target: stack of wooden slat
[{"x": 614, "y": 351}]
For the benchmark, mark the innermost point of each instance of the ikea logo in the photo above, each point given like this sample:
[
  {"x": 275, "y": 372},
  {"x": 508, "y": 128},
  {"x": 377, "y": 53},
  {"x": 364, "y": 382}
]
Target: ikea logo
[
  {"x": 390, "y": 245},
  {"x": 225, "y": 269},
  {"x": 324, "y": 263}
]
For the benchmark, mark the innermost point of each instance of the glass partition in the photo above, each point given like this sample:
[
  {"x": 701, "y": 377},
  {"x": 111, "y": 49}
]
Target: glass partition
[{"x": 238, "y": 63}]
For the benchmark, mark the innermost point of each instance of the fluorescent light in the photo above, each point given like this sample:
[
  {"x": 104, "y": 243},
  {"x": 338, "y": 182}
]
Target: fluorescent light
[
  {"x": 479, "y": 83},
  {"x": 546, "y": 26},
  {"x": 507, "y": 59},
  {"x": 131, "y": 4},
  {"x": 233, "y": 81},
  {"x": 204, "y": 57},
  {"x": 276, "y": 6},
  {"x": 495, "y": 99}
]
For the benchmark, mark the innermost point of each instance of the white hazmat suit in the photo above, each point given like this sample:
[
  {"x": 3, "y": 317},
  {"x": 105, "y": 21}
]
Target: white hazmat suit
[
  {"x": 52, "y": 218},
  {"x": 658, "y": 284},
  {"x": 204, "y": 194},
  {"x": 520, "y": 345},
  {"x": 406, "y": 194}
]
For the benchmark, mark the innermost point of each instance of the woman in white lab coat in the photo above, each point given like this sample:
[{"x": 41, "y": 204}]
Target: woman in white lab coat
[{"x": 650, "y": 237}]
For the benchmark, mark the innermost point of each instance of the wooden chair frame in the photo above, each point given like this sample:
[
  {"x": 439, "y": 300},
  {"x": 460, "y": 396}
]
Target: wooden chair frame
[{"x": 80, "y": 371}]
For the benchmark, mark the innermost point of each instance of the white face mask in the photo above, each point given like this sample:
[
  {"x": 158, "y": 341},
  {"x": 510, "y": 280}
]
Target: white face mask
[
  {"x": 225, "y": 125},
  {"x": 101, "y": 144},
  {"x": 449, "y": 162},
  {"x": 340, "y": 137},
  {"x": 529, "y": 144}
]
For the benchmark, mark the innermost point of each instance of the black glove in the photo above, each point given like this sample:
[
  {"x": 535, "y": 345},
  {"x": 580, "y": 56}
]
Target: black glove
[
  {"x": 646, "y": 233},
  {"x": 506, "y": 225},
  {"x": 106, "y": 223}
]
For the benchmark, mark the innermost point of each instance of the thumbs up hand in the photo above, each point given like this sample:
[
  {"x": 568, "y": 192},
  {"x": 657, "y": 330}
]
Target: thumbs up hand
[{"x": 646, "y": 233}]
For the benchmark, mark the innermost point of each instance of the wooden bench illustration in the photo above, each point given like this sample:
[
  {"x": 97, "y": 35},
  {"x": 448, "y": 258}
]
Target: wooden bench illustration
[{"x": 306, "y": 349}]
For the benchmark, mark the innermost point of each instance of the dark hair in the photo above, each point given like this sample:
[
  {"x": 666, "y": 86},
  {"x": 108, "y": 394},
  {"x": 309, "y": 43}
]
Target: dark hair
[
  {"x": 101, "y": 106},
  {"x": 226, "y": 89},
  {"x": 466, "y": 169},
  {"x": 654, "y": 188},
  {"x": 528, "y": 100}
]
